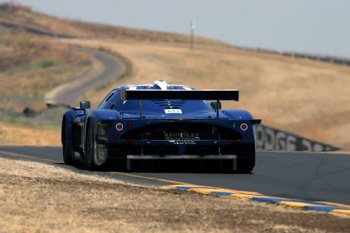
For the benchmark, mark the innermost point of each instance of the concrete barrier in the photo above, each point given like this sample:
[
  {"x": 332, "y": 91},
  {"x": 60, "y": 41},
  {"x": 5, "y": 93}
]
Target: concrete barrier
[{"x": 268, "y": 138}]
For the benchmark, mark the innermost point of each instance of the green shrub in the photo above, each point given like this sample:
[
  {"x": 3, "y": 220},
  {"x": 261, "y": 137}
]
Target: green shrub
[{"x": 47, "y": 63}]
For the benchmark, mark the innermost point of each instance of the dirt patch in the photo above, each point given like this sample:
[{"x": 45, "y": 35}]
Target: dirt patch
[{"x": 37, "y": 197}]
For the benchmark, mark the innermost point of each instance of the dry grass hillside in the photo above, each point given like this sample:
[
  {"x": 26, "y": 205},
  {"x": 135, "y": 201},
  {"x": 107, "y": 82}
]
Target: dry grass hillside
[
  {"x": 31, "y": 65},
  {"x": 306, "y": 97},
  {"x": 303, "y": 96}
]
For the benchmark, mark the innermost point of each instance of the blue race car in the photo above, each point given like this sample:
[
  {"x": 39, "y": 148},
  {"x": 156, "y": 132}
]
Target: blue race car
[{"x": 160, "y": 122}]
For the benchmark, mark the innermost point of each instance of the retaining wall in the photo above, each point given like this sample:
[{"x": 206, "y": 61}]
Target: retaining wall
[{"x": 268, "y": 138}]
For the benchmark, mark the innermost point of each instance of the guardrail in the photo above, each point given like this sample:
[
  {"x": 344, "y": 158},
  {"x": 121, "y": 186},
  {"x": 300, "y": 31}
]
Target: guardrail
[
  {"x": 269, "y": 138},
  {"x": 322, "y": 58}
]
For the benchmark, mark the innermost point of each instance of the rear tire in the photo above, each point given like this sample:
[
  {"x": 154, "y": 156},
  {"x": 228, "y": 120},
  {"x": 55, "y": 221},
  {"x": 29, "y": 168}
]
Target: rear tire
[
  {"x": 67, "y": 151},
  {"x": 90, "y": 149},
  {"x": 245, "y": 166},
  {"x": 90, "y": 157},
  {"x": 246, "y": 158},
  {"x": 119, "y": 164}
]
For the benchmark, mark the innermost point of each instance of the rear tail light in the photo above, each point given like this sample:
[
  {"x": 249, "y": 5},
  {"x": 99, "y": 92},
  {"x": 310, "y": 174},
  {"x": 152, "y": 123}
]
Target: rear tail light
[
  {"x": 244, "y": 126},
  {"x": 248, "y": 136},
  {"x": 129, "y": 125},
  {"x": 119, "y": 126}
]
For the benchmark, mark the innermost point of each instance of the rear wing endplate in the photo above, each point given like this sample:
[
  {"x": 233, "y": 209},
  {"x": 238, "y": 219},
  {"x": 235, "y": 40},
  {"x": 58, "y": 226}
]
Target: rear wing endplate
[{"x": 255, "y": 121}]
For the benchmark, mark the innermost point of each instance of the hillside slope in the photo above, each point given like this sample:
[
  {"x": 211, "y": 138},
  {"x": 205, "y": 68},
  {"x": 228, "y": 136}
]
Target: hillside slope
[
  {"x": 303, "y": 96},
  {"x": 23, "y": 16},
  {"x": 306, "y": 97},
  {"x": 30, "y": 66}
]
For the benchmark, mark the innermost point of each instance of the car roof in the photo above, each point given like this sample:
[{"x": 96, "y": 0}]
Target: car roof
[
  {"x": 158, "y": 84},
  {"x": 151, "y": 86}
]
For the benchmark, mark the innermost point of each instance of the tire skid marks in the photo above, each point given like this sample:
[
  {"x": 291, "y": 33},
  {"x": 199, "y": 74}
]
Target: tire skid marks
[{"x": 333, "y": 208}]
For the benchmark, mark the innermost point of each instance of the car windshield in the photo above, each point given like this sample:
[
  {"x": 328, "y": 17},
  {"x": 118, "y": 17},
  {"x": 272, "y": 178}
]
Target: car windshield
[{"x": 160, "y": 105}]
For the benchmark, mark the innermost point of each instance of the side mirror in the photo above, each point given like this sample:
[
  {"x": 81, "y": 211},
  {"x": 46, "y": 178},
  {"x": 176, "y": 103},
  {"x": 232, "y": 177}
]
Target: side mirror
[
  {"x": 85, "y": 104},
  {"x": 215, "y": 105}
]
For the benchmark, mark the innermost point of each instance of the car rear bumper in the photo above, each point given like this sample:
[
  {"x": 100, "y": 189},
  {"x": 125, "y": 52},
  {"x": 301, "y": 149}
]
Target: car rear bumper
[{"x": 229, "y": 159}]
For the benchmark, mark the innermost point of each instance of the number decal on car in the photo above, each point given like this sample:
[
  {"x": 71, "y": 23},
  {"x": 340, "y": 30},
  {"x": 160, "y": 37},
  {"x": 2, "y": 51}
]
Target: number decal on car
[{"x": 172, "y": 111}]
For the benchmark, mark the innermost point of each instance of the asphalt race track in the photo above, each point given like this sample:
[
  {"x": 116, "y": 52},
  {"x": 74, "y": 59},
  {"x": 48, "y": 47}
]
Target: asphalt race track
[
  {"x": 69, "y": 93},
  {"x": 307, "y": 176}
]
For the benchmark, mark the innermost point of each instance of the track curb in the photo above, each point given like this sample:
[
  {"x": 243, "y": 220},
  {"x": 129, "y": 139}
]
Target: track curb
[
  {"x": 332, "y": 208},
  {"x": 325, "y": 207}
]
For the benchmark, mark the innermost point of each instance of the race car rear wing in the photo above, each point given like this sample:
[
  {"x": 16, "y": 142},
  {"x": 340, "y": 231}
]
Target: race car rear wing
[{"x": 208, "y": 94}]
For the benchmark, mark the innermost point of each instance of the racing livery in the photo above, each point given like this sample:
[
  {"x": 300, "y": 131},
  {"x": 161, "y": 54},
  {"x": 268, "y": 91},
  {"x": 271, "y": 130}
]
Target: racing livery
[{"x": 158, "y": 122}]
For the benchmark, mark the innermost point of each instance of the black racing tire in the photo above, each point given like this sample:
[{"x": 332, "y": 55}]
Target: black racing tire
[
  {"x": 119, "y": 164},
  {"x": 245, "y": 166},
  {"x": 90, "y": 148},
  {"x": 67, "y": 152}
]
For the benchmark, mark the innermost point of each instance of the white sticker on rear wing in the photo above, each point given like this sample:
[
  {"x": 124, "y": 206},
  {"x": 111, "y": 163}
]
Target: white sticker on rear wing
[{"x": 173, "y": 111}]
